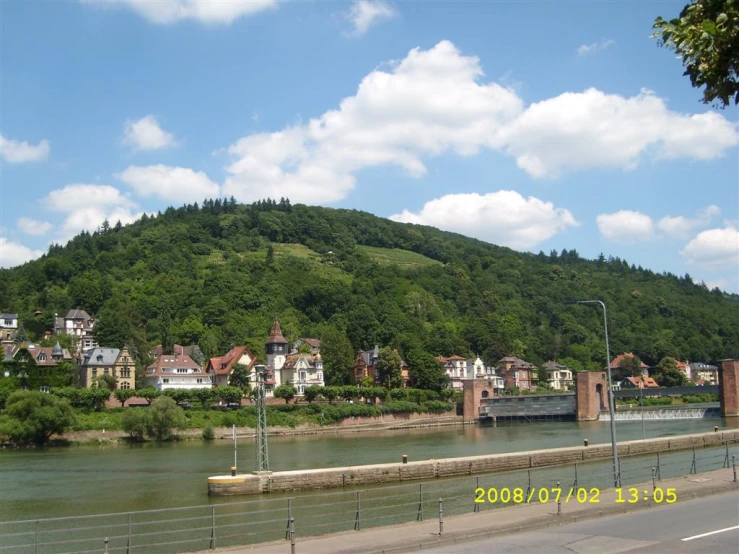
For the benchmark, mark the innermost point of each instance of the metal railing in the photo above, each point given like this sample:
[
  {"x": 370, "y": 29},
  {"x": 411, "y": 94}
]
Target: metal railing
[{"x": 285, "y": 517}]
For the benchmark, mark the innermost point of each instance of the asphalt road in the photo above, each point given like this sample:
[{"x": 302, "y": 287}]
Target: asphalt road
[{"x": 688, "y": 526}]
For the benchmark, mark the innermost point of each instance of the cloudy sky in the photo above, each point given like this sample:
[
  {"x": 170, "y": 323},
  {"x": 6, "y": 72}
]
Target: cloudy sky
[{"x": 535, "y": 125}]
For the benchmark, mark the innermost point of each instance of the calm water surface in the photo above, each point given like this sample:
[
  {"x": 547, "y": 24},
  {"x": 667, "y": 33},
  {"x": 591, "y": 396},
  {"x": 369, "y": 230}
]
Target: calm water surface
[{"x": 83, "y": 480}]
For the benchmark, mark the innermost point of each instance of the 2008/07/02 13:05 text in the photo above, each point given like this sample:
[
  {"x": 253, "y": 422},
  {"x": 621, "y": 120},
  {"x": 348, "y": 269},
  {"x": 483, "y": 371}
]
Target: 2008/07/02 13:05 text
[{"x": 580, "y": 495}]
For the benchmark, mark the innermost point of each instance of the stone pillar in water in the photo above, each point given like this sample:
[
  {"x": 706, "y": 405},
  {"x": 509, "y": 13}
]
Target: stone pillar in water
[
  {"x": 474, "y": 391},
  {"x": 728, "y": 382},
  {"x": 591, "y": 391}
]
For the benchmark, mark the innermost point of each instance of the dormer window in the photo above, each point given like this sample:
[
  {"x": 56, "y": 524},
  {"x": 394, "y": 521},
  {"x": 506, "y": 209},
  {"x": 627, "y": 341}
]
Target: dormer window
[
  {"x": 100, "y": 357},
  {"x": 42, "y": 357}
]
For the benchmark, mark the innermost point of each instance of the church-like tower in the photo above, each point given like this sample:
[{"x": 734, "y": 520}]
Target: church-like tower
[{"x": 276, "y": 349}]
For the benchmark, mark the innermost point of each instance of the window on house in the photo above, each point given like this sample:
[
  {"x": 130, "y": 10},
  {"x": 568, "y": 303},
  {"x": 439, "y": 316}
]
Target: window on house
[
  {"x": 8, "y": 322},
  {"x": 165, "y": 380},
  {"x": 42, "y": 357},
  {"x": 126, "y": 372},
  {"x": 181, "y": 370},
  {"x": 94, "y": 373},
  {"x": 200, "y": 381},
  {"x": 44, "y": 388},
  {"x": 106, "y": 371},
  {"x": 320, "y": 375},
  {"x": 302, "y": 375},
  {"x": 124, "y": 385}
]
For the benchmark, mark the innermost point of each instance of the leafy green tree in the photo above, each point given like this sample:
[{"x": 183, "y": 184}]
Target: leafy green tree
[
  {"x": 166, "y": 416},
  {"x": 330, "y": 393},
  {"x": 31, "y": 416},
  {"x": 286, "y": 391},
  {"x": 204, "y": 396},
  {"x": 389, "y": 364},
  {"x": 106, "y": 381},
  {"x": 313, "y": 392},
  {"x": 230, "y": 395},
  {"x": 426, "y": 372},
  {"x": 668, "y": 375},
  {"x": 8, "y": 385},
  {"x": 706, "y": 36},
  {"x": 240, "y": 377},
  {"x": 136, "y": 422},
  {"x": 124, "y": 395},
  {"x": 338, "y": 357},
  {"x": 191, "y": 330},
  {"x": 148, "y": 394},
  {"x": 630, "y": 366}
]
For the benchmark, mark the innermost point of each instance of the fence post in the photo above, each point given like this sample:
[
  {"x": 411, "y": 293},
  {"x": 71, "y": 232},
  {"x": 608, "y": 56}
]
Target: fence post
[
  {"x": 528, "y": 487},
  {"x": 659, "y": 468},
  {"x": 292, "y": 535},
  {"x": 419, "y": 517},
  {"x": 213, "y": 528},
  {"x": 733, "y": 466},
  {"x": 477, "y": 486},
  {"x": 358, "y": 515},
  {"x": 692, "y": 465},
  {"x": 106, "y": 545},
  {"x": 574, "y": 486},
  {"x": 289, "y": 517},
  {"x": 441, "y": 518},
  {"x": 128, "y": 543},
  {"x": 654, "y": 477},
  {"x": 726, "y": 457},
  {"x": 559, "y": 500},
  {"x": 36, "y": 549}
]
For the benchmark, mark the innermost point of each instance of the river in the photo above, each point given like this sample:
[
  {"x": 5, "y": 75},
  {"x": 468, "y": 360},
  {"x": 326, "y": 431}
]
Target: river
[{"x": 83, "y": 480}]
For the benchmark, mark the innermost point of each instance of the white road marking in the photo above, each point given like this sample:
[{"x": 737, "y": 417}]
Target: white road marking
[{"x": 711, "y": 533}]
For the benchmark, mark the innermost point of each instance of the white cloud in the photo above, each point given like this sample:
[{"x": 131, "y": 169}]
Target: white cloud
[
  {"x": 592, "y": 129},
  {"x": 165, "y": 12},
  {"x": 177, "y": 184},
  {"x": 714, "y": 248},
  {"x": 14, "y": 253},
  {"x": 682, "y": 227},
  {"x": 504, "y": 217},
  {"x": 33, "y": 227},
  {"x": 86, "y": 207},
  {"x": 429, "y": 104},
  {"x": 626, "y": 226},
  {"x": 146, "y": 134},
  {"x": 18, "y": 152},
  {"x": 433, "y": 101},
  {"x": 585, "y": 49},
  {"x": 74, "y": 196},
  {"x": 365, "y": 13}
]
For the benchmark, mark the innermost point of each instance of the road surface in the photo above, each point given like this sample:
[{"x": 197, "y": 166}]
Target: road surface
[{"x": 709, "y": 525}]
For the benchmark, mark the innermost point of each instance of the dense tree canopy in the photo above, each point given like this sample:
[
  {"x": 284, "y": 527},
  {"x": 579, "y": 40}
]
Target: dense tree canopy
[
  {"x": 706, "y": 36},
  {"x": 200, "y": 274}
]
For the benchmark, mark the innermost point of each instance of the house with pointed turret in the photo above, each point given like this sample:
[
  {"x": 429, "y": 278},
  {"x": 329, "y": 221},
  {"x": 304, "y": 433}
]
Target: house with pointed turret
[
  {"x": 39, "y": 367},
  {"x": 365, "y": 366}
]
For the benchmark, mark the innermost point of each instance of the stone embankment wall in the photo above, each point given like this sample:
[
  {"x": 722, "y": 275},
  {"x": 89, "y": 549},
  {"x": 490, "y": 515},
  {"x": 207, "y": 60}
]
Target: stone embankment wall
[
  {"x": 451, "y": 467},
  {"x": 395, "y": 418}
]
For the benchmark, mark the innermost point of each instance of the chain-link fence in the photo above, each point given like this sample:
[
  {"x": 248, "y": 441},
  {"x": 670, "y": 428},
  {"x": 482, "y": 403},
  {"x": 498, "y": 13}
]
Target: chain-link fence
[{"x": 282, "y": 517}]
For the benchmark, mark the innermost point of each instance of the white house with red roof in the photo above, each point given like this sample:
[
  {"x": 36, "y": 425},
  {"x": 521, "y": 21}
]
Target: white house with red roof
[
  {"x": 220, "y": 368},
  {"x": 303, "y": 370},
  {"x": 176, "y": 371}
]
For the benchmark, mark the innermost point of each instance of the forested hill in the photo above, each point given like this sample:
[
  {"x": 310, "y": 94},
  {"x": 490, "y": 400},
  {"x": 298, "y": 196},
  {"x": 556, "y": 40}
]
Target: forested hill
[{"x": 217, "y": 275}]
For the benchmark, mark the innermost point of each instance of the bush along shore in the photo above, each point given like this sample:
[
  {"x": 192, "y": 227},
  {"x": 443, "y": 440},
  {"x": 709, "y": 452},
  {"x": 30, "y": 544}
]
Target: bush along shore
[{"x": 24, "y": 420}]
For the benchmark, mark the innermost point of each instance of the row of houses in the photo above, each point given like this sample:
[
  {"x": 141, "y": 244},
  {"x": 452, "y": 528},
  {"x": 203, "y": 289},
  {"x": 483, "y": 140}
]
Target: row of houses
[{"x": 299, "y": 363}]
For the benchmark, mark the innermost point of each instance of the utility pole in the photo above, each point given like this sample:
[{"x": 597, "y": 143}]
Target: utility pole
[{"x": 262, "y": 455}]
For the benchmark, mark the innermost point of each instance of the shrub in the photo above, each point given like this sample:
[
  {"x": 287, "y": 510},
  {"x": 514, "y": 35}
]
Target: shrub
[
  {"x": 166, "y": 416},
  {"x": 208, "y": 433},
  {"x": 32, "y": 416},
  {"x": 136, "y": 422}
]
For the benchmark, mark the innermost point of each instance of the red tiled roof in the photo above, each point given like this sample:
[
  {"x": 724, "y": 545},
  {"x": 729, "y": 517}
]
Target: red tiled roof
[
  {"x": 616, "y": 362},
  {"x": 649, "y": 382},
  {"x": 223, "y": 365},
  {"x": 315, "y": 343},
  {"x": 172, "y": 361}
]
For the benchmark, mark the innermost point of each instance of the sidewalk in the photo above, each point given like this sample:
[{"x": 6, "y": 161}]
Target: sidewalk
[{"x": 419, "y": 535}]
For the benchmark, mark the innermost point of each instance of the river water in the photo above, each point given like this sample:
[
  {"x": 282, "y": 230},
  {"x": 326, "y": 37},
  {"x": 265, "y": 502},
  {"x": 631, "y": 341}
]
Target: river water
[{"x": 84, "y": 480}]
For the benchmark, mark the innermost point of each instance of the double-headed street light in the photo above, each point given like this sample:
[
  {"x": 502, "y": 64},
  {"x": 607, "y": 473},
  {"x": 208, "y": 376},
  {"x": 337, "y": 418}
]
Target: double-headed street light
[{"x": 611, "y": 402}]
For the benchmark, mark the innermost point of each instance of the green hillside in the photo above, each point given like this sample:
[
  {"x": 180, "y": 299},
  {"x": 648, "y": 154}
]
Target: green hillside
[{"x": 217, "y": 275}]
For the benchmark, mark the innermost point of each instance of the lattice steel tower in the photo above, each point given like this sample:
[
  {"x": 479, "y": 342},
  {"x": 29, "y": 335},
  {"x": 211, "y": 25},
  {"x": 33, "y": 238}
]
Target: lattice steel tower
[{"x": 262, "y": 455}]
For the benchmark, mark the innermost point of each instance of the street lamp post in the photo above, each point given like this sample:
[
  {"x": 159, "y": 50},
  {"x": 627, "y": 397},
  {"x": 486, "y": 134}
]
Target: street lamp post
[{"x": 611, "y": 401}]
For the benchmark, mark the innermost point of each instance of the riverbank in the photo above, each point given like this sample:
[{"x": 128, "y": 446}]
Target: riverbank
[{"x": 387, "y": 422}]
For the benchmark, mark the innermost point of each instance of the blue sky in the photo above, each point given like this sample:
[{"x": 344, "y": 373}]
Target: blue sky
[{"x": 535, "y": 125}]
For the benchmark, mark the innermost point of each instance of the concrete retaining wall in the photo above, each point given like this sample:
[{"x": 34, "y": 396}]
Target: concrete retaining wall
[{"x": 452, "y": 467}]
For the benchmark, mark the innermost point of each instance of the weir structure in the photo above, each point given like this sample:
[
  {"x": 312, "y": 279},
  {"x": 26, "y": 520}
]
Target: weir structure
[{"x": 589, "y": 400}]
